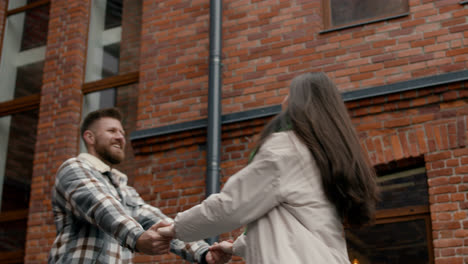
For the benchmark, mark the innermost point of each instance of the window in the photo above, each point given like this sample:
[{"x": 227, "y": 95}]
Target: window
[
  {"x": 104, "y": 75},
  {"x": 17, "y": 140},
  {"x": 105, "y": 33},
  {"x": 21, "y": 69},
  {"x": 347, "y": 13},
  {"x": 402, "y": 233}
]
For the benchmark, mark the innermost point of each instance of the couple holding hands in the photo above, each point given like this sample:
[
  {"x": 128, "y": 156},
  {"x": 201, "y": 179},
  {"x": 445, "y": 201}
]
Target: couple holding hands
[{"x": 307, "y": 177}]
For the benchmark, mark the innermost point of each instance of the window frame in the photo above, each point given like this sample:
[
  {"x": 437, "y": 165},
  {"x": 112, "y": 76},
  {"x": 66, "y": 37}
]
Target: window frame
[
  {"x": 407, "y": 214},
  {"x": 327, "y": 24}
]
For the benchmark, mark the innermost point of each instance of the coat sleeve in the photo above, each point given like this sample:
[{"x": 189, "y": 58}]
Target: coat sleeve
[
  {"x": 239, "y": 247},
  {"x": 247, "y": 196},
  {"x": 148, "y": 215},
  {"x": 86, "y": 197}
]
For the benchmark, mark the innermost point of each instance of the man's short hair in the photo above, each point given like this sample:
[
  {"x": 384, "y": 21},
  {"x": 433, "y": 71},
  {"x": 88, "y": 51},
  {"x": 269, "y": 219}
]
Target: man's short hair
[{"x": 94, "y": 116}]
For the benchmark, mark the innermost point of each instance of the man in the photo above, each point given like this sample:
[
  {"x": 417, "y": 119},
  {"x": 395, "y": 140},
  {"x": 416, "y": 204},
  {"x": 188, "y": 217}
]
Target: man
[{"x": 99, "y": 218}]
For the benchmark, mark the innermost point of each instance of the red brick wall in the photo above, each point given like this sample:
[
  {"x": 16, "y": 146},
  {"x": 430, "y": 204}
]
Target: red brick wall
[
  {"x": 174, "y": 62},
  {"x": 412, "y": 123},
  {"x": 448, "y": 188},
  {"x": 59, "y": 117},
  {"x": 265, "y": 43}
]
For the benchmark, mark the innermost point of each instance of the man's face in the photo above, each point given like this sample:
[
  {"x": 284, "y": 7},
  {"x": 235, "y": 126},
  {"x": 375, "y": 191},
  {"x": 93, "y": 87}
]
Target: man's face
[{"x": 109, "y": 140}]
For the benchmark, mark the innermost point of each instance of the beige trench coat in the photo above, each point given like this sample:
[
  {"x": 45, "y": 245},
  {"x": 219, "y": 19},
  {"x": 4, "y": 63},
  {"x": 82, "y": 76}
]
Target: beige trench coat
[{"x": 279, "y": 197}]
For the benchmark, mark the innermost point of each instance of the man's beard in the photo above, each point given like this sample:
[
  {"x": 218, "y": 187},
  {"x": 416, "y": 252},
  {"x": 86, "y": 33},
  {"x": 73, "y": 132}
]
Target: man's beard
[{"x": 109, "y": 156}]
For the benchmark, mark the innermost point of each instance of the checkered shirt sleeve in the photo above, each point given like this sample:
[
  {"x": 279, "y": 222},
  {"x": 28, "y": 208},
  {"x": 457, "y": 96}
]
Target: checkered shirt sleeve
[{"x": 148, "y": 215}]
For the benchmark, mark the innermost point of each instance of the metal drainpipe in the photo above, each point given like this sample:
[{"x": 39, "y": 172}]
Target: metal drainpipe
[{"x": 214, "y": 102}]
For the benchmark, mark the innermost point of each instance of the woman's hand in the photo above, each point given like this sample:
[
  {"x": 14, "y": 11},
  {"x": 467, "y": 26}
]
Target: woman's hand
[
  {"x": 225, "y": 246},
  {"x": 167, "y": 231}
]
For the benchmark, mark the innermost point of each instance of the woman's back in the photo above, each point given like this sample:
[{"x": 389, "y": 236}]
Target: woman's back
[{"x": 304, "y": 227}]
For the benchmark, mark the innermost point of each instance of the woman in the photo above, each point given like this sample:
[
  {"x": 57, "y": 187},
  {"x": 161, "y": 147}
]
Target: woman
[{"x": 309, "y": 175}]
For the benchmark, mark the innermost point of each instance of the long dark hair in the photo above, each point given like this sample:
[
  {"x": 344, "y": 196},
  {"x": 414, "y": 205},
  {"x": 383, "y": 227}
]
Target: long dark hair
[{"x": 317, "y": 115}]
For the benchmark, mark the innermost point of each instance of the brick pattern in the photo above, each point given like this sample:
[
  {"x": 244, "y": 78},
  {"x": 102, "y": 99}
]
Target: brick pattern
[
  {"x": 266, "y": 43},
  {"x": 174, "y": 61},
  {"x": 448, "y": 188},
  {"x": 431, "y": 40},
  {"x": 413, "y": 123},
  {"x": 59, "y": 117}
]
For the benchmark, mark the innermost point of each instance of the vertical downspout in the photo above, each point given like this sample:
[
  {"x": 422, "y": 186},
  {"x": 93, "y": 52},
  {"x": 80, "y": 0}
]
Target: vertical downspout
[{"x": 214, "y": 102}]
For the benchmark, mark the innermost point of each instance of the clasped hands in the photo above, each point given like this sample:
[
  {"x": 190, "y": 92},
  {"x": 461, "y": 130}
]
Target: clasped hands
[{"x": 156, "y": 241}]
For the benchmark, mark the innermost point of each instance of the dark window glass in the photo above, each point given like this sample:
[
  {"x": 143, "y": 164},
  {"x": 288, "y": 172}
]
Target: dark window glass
[
  {"x": 344, "y": 12},
  {"x": 12, "y": 239},
  {"x": 402, "y": 189},
  {"x": 29, "y": 79},
  {"x": 35, "y": 27},
  {"x": 113, "y": 14},
  {"x": 391, "y": 243},
  {"x": 19, "y": 133},
  {"x": 19, "y": 161},
  {"x": 110, "y": 63}
]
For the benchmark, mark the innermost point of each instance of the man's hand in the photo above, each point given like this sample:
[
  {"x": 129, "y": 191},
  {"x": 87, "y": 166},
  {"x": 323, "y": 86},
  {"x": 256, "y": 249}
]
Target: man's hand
[
  {"x": 217, "y": 257},
  {"x": 220, "y": 253},
  {"x": 152, "y": 243}
]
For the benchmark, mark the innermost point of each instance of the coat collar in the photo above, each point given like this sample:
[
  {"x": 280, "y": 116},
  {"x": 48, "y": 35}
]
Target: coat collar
[{"x": 100, "y": 166}]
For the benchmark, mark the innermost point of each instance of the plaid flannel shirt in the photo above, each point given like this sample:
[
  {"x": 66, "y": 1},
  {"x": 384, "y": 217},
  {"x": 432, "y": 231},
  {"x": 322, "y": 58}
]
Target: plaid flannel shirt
[{"x": 99, "y": 218}]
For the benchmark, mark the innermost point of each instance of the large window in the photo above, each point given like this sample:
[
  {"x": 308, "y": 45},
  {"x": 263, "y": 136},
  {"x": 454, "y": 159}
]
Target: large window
[
  {"x": 402, "y": 233},
  {"x": 21, "y": 69},
  {"x": 343, "y": 13}
]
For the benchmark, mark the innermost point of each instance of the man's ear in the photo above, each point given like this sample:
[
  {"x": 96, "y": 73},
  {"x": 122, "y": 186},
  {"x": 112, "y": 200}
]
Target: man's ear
[{"x": 88, "y": 137}]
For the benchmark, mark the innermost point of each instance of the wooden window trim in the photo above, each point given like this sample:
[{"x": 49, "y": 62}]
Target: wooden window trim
[
  {"x": 111, "y": 82},
  {"x": 31, "y": 102},
  {"x": 408, "y": 214},
  {"x": 13, "y": 215},
  {"x": 27, "y": 7},
  {"x": 12, "y": 257},
  {"x": 403, "y": 211},
  {"x": 21, "y": 104}
]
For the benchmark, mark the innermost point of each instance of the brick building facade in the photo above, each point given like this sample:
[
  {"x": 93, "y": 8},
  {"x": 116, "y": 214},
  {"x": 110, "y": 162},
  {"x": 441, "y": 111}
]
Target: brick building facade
[{"x": 404, "y": 80}]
